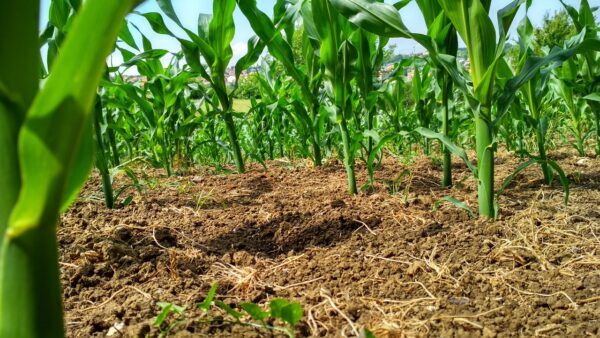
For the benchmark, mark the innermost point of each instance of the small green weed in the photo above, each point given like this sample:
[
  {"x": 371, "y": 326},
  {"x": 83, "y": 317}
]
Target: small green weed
[
  {"x": 281, "y": 315},
  {"x": 185, "y": 187},
  {"x": 164, "y": 323},
  {"x": 286, "y": 312},
  {"x": 395, "y": 186},
  {"x": 203, "y": 198}
]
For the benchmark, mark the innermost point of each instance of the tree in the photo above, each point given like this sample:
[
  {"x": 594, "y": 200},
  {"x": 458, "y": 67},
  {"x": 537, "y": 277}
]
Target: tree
[
  {"x": 248, "y": 87},
  {"x": 297, "y": 46},
  {"x": 389, "y": 54},
  {"x": 555, "y": 30}
]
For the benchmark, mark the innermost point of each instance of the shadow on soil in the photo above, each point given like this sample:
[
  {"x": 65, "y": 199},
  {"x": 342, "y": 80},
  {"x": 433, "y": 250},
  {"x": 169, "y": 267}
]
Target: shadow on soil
[{"x": 289, "y": 232}]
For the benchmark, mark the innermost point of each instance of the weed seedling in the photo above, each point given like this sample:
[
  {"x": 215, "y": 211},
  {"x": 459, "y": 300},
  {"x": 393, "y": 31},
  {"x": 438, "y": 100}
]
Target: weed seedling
[
  {"x": 167, "y": 309},
  {"x": 286, "y": 312},
  {"x": 203, "y": 198}
]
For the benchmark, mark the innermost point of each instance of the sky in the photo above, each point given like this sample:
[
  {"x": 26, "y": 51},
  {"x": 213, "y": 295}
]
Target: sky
[{"x": 188, "y": 11}]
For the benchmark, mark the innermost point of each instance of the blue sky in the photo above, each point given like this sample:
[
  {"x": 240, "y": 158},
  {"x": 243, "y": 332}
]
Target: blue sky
[{"x": 188, "y": 11}]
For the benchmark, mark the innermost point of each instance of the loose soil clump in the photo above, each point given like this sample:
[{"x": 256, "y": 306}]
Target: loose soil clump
[{"x": 383, "y": 260}]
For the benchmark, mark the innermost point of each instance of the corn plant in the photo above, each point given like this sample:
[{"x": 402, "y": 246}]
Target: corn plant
[
  {"x": 370, "y": 49},
  {"x": 31, "y": 119},
  {"x": 392, "y": 98},
  {"x": 471, "y": 20},
  {"x": 337, "y": 55},
  {"x": 280, "y": 119},
  {"x": 441, "y": 30},
  {"x": 307, "y": 78},
  {"x": 212, "y": 42},
  {"x": 589, "y": 62},
  {"x": 564, "y": 85},
  {"x": 102, "y": 162},
  {"x": 536, "y": 96},
  {"x": 424, "y": 96},
  {"x": 60, "y": 16}
]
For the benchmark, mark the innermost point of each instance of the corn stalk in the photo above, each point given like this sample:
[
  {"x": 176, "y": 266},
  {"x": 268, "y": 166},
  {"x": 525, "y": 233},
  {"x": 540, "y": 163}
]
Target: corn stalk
[
  {"x": 337, "y": 56},
  {"x": 441, "y": 30},
  {"x": 30, "y": 295}
]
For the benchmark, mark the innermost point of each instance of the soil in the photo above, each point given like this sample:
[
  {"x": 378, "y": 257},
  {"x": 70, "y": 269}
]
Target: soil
[{"x": 383, "y": 259}]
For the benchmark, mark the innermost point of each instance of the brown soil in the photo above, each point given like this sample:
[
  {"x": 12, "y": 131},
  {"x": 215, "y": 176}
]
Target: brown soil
[{"x": 382, "y": 260}]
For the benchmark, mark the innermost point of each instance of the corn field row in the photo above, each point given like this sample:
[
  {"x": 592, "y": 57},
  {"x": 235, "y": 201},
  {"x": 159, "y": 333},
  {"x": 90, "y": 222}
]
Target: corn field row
[{"x": 66, "y": 111}]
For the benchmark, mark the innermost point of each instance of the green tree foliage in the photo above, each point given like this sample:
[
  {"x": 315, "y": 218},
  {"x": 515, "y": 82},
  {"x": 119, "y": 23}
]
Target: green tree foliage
[
  {"x": 248, "y": 87},
  {"x": 555, "y": 30}
]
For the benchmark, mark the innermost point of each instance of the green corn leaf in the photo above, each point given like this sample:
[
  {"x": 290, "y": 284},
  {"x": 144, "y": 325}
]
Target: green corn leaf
[
  {"x": 381, "y": 19},
  {"x": 255, "y": 49},
  {"x": 126, "y": 36},
  {"x": 506, "y": 15},
  {"x": 472, "y": 22},
  {"x": 81, "y": 168},
  {"x": 377, "y": 17},
  {"x": 157, "y": 23},
  {"x": 65, "y": 102},
  {"x": 365, "y": 45},
  {"x": 221, "y": 31},
  {"x": 59, "y": 14},
  {"x": 373, "y": 134},
  {"x": 152, "y": 54},
  {"x": 276, "y": 44},
  {"x": 456, "y": 203},
  {"x": 593, "y": 97},
  {"x": 301, "y": 115},
  {"x": 564, "y": 180},
  {"x": 19, "y": 83},
  {"x": 192, "y": 53},
  {"x": 202, "y": 45},
  {"x": 446, "y": 141},
  {"x": 430, "y": 10},
  {"x": 167, "y": 7},
  {"x": 146, "y": 44},
  {"x": 510, "y": 177},
  {"x": 75, "y": 4}
]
